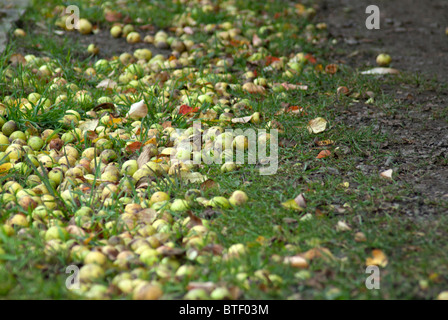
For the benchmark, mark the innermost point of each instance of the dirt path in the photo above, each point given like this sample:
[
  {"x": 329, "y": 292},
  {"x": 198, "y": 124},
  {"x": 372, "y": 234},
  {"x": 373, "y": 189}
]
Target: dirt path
[{"x": 411, "y": 31}]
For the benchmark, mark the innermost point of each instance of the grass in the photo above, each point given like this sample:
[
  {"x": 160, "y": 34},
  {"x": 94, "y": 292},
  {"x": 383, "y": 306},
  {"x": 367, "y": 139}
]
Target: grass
[{"x": 377, "y": 207}]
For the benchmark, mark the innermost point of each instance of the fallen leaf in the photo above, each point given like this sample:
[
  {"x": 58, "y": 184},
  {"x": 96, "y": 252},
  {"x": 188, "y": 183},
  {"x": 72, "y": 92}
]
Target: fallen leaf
[
  {"x": 292, "y": 204},
  {"x": 107, "y": 84},
  {"x": 256, "y": 40},
  {"x": 216, "y": 249},
  {"x": 104, "y": 106},
  {"x": 242, "y": 120},
  {"x": 342, "y": 226},
  {"x": 91, "y": 135},
  {"x": 379, "y": 259},
  {"x": 170, "y": 252},
  {"x": 185, "y": 109},
  {"x": 146, "y": 155},
  {"x": 380, "y": 70},
  {"x": 16, "y": 59},
  {"x": 317, "y": 253},
  {"x": 113, "y": 16},
  {"x": 310, "y": 58},
  {"x": 296, "y": 110},
  {"x": 209, "y": 184},
  {"x": 89, "y": 125},
  {"x": 287, "y": 143},
  {"x": 317, "y": 125},
  {"x": 151, "y": 141},
  {"x": 271, "y": 59},
  {"x": 166, "y": 124},
  {"x": 387, "y": 174},
  {"x": 138, "y": 110},
  {"x": 194, "y": 220},
  {"x": 300, "y": 200},
  {"x": 322, "y": 143},
  {"x": 134, "y": 146},
  {"x": 331, "y": 68},
  {"x": 290, "y": 86},
  {"x": 323, "y": 154}
]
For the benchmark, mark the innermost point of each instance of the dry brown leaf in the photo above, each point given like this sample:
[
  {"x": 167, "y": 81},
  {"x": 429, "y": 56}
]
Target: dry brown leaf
[
  {"x": 134, "y": 146},
  {"x": 194, "y": 220},
  {"x": 324, "y": 154},
  {"x": 146, "y": 155},
  {"x": 138, "y": 110},
  {"x": 379, "y": 259},
  {"x": 209, "y": 184},
  {"x": 216, "y": 249},
  {"x": 291, "y": 86},
  {"x": 317, "y": 125},
  {"x": 322, "y": 143},
  {"x": 331, "y": 68},
  {"x": 147, "y": 216},
  {"x": 104, "y": 106},
  {"x": 300, "y": 200},
  {"x": 112, "y": 16},
  {"x": 296, "y": 110},
  {"x": 170, "y": 252},
  {"x": 16, "y": 59},
  {"x": 242, "y": 120},
  {"x": 320, "y": 252},
  {"x": 287, "y": 143}
]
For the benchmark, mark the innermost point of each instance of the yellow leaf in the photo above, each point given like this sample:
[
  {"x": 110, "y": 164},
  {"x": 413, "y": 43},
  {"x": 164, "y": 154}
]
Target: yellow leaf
[
  {"x": 292, "y": 204},
  {"x": 151, "y": 141},
  {"x": 379, "y": 259},
  {"x": 317, "y": 125},
  {"x": 261, "y": 240}
]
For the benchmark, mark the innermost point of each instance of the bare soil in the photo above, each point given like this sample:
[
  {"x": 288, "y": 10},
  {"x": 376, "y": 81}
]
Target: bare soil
[{"x": 413, "y": 33}]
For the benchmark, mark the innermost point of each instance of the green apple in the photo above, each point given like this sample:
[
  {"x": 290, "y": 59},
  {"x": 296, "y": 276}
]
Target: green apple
[{"x": 383, "y": 60}]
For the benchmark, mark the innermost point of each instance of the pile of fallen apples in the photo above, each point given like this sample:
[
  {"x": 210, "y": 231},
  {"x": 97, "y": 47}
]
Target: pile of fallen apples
[{"x": 108, "y": 207}]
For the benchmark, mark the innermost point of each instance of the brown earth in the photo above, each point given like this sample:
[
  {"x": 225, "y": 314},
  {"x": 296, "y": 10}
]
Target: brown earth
[{"x": 413, "y": 33}]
